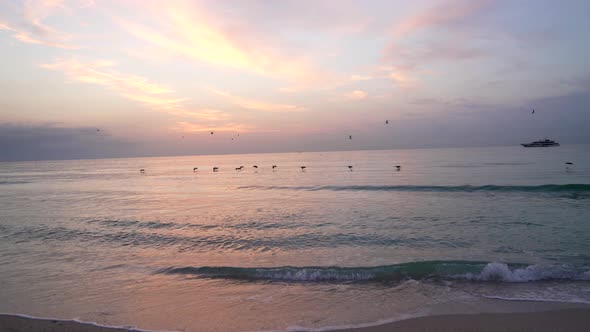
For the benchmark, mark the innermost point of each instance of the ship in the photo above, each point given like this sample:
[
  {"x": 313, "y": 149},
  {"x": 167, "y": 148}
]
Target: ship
[{"x": 541, "y": 144}]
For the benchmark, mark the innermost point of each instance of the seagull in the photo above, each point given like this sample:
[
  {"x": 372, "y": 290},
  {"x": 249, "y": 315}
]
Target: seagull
[
  {"x": 238, "y": 168},
  {"x": 349, "y": 167},
  {"x": 349, "y": 136},
  {"x": 569, "y": 163},
  {"x": 211, "y": 133},
  {"x": 386, "y": 121},
  {"x": 303, "y": 167},
  {"x": 215, "y": 169},
  {"x": 533, "y": 112},
  {"x": 274, "y": 166},
  {"x": 97, "y": 129},
  {"x": 398, "y": 167},
  {"x": 195, "y": 169},
  {"x": 255, "y": 166},
  {"x": 142, "y": 170}
]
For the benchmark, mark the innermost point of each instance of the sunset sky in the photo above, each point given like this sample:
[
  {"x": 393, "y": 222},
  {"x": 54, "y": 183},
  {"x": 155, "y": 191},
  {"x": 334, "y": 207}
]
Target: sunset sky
[{"x": 156, "y": 77}]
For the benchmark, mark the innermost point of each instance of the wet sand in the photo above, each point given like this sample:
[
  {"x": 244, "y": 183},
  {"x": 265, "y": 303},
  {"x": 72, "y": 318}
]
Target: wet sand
[
  {"x": 12, "y": 323},
  {"x": 547, "y": 321}
]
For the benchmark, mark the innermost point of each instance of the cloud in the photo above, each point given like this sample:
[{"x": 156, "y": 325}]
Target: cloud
[
  {"x": 356, "y": 94},
  {"x": 5, "y": 27},
  {"x": 136, "y": 88},
  {"x": 31, "y": 27},
  {"x": 356, "y": 78},
  {"x": 132, "y": 87},
  {"x": 446, "y": 42},
  {"x": 189, "y": 127},
  {"x": 442, "y": 15},
  {"x": 190, "y": 32},
  {"x": 53, "y": 141},
  {"x": 257, "y": 104}
]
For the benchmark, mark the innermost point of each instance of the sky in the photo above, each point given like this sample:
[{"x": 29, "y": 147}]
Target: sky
[{"x": 97, "y": 79}]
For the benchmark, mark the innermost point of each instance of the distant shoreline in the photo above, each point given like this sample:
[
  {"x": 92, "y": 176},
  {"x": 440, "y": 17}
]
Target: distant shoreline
[{"x": 542, "y": 321}]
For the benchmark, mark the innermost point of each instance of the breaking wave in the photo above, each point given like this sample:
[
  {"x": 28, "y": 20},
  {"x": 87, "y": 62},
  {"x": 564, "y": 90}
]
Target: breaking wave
[
  {"x": 546, "y": 188},
  {"x": 434, "y": 270}
]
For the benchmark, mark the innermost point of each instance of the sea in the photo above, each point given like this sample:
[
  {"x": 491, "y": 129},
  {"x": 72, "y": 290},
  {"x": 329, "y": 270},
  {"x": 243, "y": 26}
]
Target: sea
[{"x": 173, "y": 248}]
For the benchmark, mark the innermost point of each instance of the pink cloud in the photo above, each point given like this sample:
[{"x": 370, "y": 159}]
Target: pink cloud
[
  {"x": 29, "y": 26},
  {"x": 193, "y": 32},
  {"x": 444, "y": 14}
]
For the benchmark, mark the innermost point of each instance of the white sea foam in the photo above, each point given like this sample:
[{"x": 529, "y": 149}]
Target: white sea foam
[
  {"x": 501, "y": 272},
  {"x": 538, "y": 299}
]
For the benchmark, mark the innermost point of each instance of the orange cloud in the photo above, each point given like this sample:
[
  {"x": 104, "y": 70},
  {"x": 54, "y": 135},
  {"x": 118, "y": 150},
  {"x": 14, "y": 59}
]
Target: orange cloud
[
  {"x": 133, "y": 87},
  {"x": 5, "y": 27},
  {"x": 189, "y": 127},
  {"x": 355, "y": 78},
  {"x": 257, "y": 104},
  {"x": 98, "y": 73},
  {"x": 193, "y": 34},
  {"x": 356, "y": 94}
]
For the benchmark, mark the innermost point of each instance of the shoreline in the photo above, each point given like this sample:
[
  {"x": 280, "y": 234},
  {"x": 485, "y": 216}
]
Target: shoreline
[{"x": 577, "y": 319}]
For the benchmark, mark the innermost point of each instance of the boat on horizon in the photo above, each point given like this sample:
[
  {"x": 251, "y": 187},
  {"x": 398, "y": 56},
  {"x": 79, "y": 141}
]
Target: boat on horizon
[{"x": 541, "y": 144}]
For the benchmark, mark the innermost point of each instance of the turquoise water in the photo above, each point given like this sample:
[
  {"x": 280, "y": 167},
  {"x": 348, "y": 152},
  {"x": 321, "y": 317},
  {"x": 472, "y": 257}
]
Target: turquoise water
[{"x": 454, "y": 230}]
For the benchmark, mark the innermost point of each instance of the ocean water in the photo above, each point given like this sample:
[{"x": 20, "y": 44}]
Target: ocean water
[{"x": 455, "y": 230}]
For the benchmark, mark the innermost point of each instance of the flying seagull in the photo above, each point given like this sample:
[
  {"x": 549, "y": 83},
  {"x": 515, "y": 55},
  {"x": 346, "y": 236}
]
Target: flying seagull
[
  {"x": 211, "y": 133},
  {"x": 533, "y": 112},
  {"x": 195, "y": 169},
  {"x": 349, "y": 136},
  {"x": 349, "y": 167},
  {"x": 386, "y": 121}
]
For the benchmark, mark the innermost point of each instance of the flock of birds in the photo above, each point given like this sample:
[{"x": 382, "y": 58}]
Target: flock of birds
[
  {"x": 303, "y": 168},
  {"x": 350, "y": 167}
]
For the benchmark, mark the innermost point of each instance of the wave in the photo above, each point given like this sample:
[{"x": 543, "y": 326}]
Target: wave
[
  {"x": 433, "y": 270},
  {"x": 546, "y": 188},
  {"x": 13, "y": 182},
  {"x": 538, "y": 299}
]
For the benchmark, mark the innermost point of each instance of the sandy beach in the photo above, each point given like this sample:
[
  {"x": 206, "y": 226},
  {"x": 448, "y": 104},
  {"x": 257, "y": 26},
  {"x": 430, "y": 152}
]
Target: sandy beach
[{"x": 549, "y": 321}]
